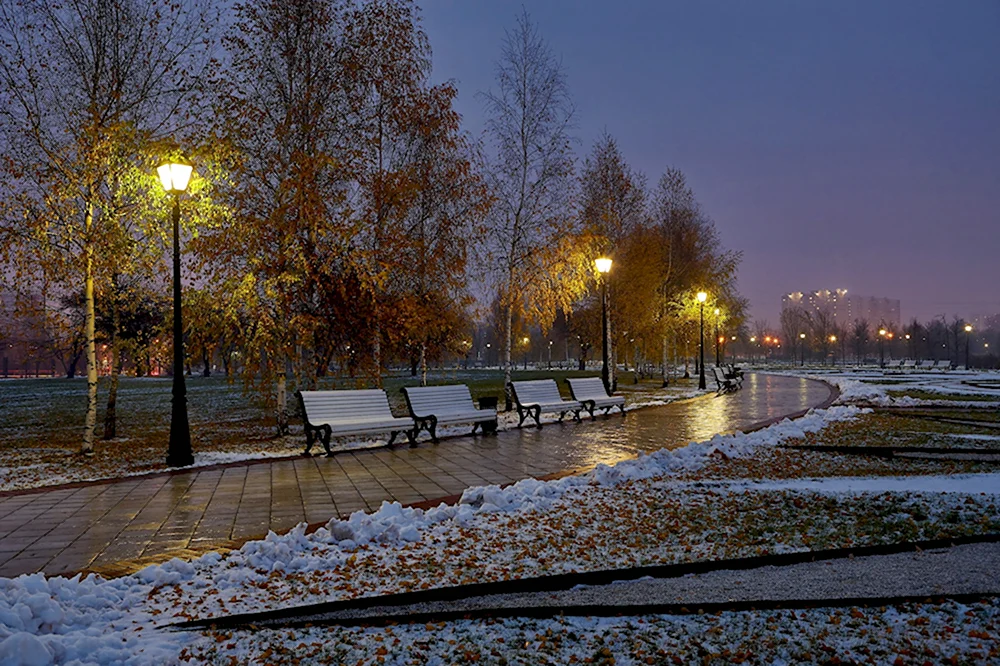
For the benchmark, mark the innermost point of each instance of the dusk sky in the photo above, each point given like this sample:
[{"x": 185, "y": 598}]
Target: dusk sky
[{"x": 838, "y": 145}]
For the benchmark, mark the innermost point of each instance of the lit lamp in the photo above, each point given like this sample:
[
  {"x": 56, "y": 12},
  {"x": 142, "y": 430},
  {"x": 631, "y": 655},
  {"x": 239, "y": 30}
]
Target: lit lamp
[
  {"x": 802, "y": 350},
  {"x": 833, "y": 340},
  {"x": 603, "y": 268},
  {"x": 175, "y": 177},
  {"x": 968, "y": 332},
  {"x": 702, "y": 297},
  {"x": 881, "y": 348}
]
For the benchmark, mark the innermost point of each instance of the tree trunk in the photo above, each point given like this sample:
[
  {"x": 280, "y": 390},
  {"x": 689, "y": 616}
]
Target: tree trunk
[
  {"x": 90, "y": 422},
  {"x": 281, "y": 416},
  {"x": 377, "y": 350},
  {"x": 666, "y": 362},
  {"x": 207, "y": 372},
  {"x": 423, "y": 363},
  {"x": 508, "y": 323}
]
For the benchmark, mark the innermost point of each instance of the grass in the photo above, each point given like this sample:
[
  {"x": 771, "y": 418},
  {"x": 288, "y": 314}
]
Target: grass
[{"x": 931, "y": 395}]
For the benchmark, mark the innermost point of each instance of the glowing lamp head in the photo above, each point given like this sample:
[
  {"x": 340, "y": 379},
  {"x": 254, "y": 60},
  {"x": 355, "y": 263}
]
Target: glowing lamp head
[
  {"x": 968, "y": 328},
  {"x": 722, "y": 338},
  {"x": 717, "y": 312},
  {"x": 175, "y": 176},
  {"x": 881, "y": 331},
  {"x": 753, "y": 339},
  {"x": 603, "y": 265},
  {"x": 702, "y": 297},
  {"x": 802, "y": 336},
  {"x": 833, "y": 338}
]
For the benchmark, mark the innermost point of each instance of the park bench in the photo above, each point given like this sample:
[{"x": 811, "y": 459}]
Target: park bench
[
  {"x": 725, "y": 384},
  {"x": 431, "y": 406},
  {"x": 590, "y": 392},
  {"x": 894, "y": 365},
  {"x": 537, "y": 396},
  {"x": 909, "y": 364},
  {"x": 734, "y": 373},
  {"x": 340, "y": 413},
  {"x": 942, "y": 365}
]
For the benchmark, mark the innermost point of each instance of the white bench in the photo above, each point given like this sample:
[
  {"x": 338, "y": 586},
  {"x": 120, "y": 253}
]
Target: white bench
[
  {"x": 942, "y": 365},
  {"x": 734, "y": 374},
  {"x": 431, "y": 406},
  {"x": 589, "y": 391},
  {"x": 536, "y": 396},
  {"x": 340, "y": 413},
  {"x": 894, "y": 365},
  {"x": 725, "y": 384},
  {"x": 909, "y": 364}
]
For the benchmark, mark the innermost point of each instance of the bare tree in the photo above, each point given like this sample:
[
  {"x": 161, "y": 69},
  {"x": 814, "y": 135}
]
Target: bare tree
[
  {"x": 859, "y": 337},
  {"x": 529, "y": 119}
]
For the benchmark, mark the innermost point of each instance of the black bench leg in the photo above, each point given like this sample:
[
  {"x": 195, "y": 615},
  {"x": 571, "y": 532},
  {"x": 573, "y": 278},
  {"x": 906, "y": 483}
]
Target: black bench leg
[
  {"x": 536, "y": 413},
  {"x": 432, "y": 427},
  {"x": 411, "y": 435},
  {"x": 576, "y": 415},
  {"x": 475, "y": 427},
  {"x": 522, "y": 415},
  {"x": 590, "y": 406},
  {"x": 310, "y": 437},
  {"x": 327, "y": 434},
  {"x": 392, "y": 436}
]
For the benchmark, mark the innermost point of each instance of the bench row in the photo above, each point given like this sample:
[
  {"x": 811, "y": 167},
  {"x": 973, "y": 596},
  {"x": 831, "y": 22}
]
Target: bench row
[{"x": 366, "y": 412}]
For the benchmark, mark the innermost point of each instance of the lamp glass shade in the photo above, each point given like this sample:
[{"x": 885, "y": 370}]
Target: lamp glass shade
[
  {"x": 968, "y": 328},
  {"x": 702, "y": 297},
  {"x": 603, "y": 264},
  {"x": 174, "y": 176}
]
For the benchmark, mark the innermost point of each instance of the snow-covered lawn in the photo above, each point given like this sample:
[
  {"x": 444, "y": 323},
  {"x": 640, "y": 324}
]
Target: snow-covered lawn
[{"x": 659, "y": 508}]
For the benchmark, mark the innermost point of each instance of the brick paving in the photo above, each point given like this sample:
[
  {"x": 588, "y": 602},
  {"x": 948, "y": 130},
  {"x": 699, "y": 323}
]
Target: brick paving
[{"x": 119, "y": 526}]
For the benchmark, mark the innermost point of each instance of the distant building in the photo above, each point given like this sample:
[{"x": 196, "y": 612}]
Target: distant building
[{"x": 845, "y": 309}]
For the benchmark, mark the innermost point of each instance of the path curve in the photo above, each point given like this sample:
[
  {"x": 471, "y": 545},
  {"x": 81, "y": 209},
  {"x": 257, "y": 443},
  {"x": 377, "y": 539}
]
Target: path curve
[{"x": 118, "y": 527}]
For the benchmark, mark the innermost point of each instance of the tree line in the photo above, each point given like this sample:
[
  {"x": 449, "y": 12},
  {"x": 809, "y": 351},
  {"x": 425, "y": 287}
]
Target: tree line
[{"x": 340, "y": 220}]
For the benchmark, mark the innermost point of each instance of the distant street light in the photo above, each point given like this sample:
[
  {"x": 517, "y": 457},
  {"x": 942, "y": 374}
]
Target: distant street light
[
  {"x": 603, "y": 268},
  {"x": 175, "y": 177},
  {"x": 702, "y": 297},
  {"x": 881, "y": 347},
  {"x": 833, "y": 340},
  {"x": 968, "y": 332},
  {"x": 550, "y": 354}
]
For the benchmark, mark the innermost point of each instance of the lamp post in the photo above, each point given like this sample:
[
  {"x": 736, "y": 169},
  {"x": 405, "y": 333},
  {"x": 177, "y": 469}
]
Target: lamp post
[
  {"x": 702, "y": 297},
  {"x": 833, "y": 340},
  {"x": 550, "y": 354},
  {"x": 717, "y": 339},
  {"x": 175, "y": 177},
  {"x": 881, "y": 347},
  {"x": 603, "y": 268},
  {"x": 525, "y": 342},
  {"x": 968, "y": 332},
  {"x": 802, "y": 350}
]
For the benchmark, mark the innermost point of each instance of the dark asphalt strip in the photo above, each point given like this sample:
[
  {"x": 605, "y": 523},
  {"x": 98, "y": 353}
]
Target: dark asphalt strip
[
  {"x": 555, "y": 583},
  {"x": 601, "y": 610}
]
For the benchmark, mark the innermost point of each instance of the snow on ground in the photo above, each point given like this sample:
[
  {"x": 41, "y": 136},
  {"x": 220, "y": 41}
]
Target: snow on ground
[
  {"x": 969, "y": 484},
  {"x": 626, "y": 515}
]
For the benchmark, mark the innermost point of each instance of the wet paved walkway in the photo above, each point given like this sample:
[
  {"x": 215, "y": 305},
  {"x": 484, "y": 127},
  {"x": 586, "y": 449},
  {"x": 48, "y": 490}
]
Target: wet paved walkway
[{"x": 117, "y": 527}]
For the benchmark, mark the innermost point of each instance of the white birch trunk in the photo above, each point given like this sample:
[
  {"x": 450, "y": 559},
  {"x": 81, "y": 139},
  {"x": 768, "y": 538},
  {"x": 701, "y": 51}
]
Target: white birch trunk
[
  {"x": 508, "y": 324},
  {"x": 423, "y": 364},
  {"x": 281, "y": 415}
]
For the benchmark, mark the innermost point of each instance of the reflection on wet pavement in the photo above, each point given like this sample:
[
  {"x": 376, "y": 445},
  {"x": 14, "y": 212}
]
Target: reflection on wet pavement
[{"x": 118, "y": 527}]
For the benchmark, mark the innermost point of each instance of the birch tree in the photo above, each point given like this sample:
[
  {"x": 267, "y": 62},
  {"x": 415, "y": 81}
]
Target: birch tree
[
  {"x": 527, "y": 253},
  {"x": 81, "y": 84}
]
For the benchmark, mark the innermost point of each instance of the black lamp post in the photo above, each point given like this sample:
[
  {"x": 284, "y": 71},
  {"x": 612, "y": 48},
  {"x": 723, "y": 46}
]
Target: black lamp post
[
  {"x": 716, "y": 337},
  {"x": 603, "y": 268},
  {"x": 802, "y": 350},
  {"x": 881, "y": 347},
  {"x": 968, "y": 332},
  {"x": 175, "y": 177},
  {"x": 702, "y": 297}
]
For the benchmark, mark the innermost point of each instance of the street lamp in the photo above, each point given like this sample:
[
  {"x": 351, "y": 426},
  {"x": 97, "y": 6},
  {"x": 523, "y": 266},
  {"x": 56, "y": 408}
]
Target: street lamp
[
  {"x": 968, "y": 331},
  {"x": 833, "y": 340},
  {"x": 881, "y": 347},
  {"x": 603, "y": 268},
  {"x": 702, "y": 297},
  {"x": 802, "y": 350},
  {"x": 526, "y": 341},
  {"x": 175, "y": 177}
]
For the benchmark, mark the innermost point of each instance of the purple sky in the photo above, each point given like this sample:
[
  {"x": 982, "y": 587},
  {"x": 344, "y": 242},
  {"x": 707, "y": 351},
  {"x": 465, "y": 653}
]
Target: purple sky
[{"x": 843, "y": 144}]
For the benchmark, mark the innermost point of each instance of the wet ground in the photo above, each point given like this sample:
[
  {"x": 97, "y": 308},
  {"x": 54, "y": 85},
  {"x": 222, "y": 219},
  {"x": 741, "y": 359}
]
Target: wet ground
[{"x": 119, "y": 526}]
